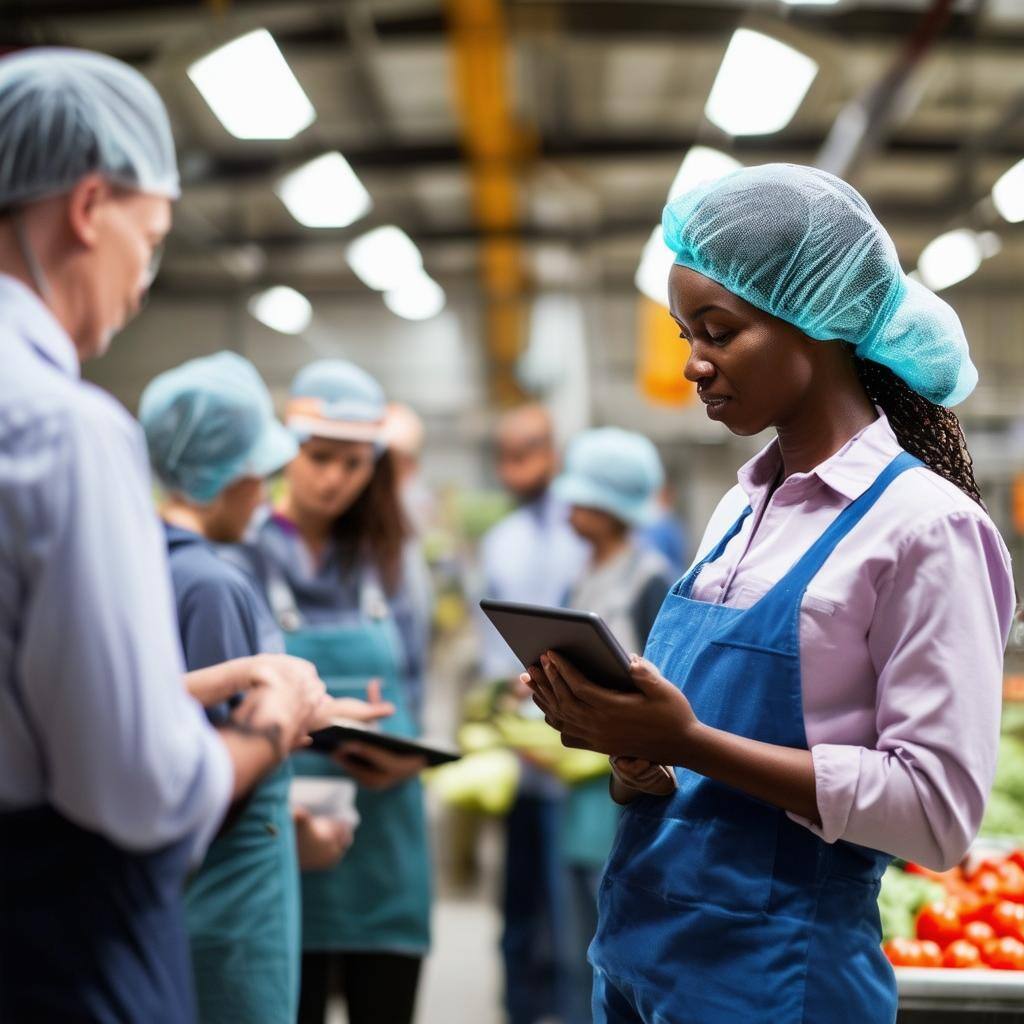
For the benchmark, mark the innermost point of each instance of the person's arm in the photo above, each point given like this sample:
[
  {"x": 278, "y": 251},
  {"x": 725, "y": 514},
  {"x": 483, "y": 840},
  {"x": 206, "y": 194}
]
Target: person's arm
[{"x": 127, "y": 752}]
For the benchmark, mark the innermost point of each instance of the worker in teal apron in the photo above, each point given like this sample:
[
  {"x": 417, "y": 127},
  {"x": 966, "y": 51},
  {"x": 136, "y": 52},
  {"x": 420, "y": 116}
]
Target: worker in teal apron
[
  {"x": 212, "y": 438},
  {"x": 331, "y": 558},
  {"x": 744, "y": 878}
]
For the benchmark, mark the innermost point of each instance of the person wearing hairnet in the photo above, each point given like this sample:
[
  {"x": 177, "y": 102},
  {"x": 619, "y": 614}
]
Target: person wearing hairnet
[
  {"x": 332, "y": 556},
  {"x": 112, "y": 782},
  {"x": 822, "y": 695},
  {"x": 212, "y": 440},
  {"x": 610, "y": 484}
]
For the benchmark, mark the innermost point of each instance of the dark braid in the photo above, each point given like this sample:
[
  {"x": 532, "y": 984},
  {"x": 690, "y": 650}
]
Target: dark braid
[{"x": 924, "y": 429}]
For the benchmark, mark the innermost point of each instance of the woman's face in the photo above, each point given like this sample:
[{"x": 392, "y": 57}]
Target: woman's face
[
  {"x": 752, "y": 370},
  {"x": 327, "y": 476}
]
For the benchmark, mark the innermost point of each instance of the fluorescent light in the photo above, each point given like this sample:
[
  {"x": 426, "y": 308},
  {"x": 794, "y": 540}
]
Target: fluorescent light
[
  {"x": 384, "y": 258},
  {"x": 759, "y": 86},
  {"x": 701, "y": 164},
  {"x": 1008, "y": 194},
  {"x": 282, "y": 309},
  {"x": 250, "y": 88},
  {"x": 655, "y": 263},
  {"x": 419, "y": 298},
  {"x": 325, "y": 193},
  {"x": 950, "y": 258}
]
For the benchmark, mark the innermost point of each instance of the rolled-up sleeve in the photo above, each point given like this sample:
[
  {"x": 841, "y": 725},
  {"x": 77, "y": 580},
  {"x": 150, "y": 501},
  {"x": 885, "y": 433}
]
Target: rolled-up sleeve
[
  {"x": 127, "y": 752},
  {"x": 941, "y": 623}
]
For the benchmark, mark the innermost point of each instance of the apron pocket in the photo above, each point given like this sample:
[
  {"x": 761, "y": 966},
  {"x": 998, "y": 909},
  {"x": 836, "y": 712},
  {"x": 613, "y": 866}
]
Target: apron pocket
[{"x": 725, "y": 861}]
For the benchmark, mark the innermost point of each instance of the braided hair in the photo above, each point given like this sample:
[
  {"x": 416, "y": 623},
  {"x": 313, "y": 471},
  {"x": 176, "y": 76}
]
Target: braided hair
[{"x": 928, "y": 431}]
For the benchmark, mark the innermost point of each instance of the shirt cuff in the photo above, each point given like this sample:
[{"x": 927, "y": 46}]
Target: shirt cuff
[
  {"x": 221, "y": 783},
  {"x": 836, "y": 774}
]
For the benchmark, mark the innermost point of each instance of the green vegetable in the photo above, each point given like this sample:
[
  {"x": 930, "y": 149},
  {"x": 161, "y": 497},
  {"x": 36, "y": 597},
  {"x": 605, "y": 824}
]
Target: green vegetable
[
  {"x": 901, "y": 897},
  {"x": 1004, "y": 816}
]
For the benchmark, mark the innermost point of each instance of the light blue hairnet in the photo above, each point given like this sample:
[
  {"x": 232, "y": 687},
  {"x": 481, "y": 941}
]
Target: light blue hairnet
[
  {"x": 336, "y": 399},
  {"x": 612, "y": 470},
  {"x": 68, "y": 113},
  {"x": 803, "y": 245},
  {"x": 210, "y": 422}
]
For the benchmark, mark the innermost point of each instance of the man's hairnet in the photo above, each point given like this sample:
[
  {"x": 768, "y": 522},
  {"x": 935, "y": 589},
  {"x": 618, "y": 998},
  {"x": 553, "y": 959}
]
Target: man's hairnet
[
  {"x": 803, "y": 245},
  {"x": 65, "y": 114},
  {"x": 613, "y": 470},
  {"x": 210, "y": 422}
]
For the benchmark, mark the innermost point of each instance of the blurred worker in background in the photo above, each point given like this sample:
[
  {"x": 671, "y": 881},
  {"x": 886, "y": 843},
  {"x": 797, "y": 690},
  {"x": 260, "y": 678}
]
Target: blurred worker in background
[
  {"x": 112, "y": 782},
  {"x": 664, "y": 531},
  {"x": 333, "y": 557},
  {"x": 533, "y": 555},
  {"x": 212, "y": 440},
  {"x": 610, "y": 483}
]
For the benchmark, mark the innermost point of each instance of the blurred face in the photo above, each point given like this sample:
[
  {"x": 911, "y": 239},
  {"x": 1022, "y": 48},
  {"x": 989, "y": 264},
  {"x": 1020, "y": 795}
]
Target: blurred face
[
  {"x": 752, "y": 370},
  {"x": 122, "y": 234},
  {"x": 226, "y": 519},
  {"x": 327, "y": 477},
  {"x": 593, "y": 525},
  {"x": 526, "y": 465}
]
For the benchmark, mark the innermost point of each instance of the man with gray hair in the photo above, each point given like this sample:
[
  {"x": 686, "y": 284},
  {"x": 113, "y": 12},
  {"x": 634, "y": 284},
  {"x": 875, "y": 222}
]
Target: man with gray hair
[{"x": 111, "y": 781}]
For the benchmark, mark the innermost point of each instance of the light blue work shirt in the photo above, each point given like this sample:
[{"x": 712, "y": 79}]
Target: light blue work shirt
[
  {"x": 533, "y": 556},
  {"x": 94, "y": 717}
]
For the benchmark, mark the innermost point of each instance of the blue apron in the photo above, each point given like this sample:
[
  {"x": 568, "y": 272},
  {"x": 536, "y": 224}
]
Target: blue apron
[
  {"x": 89, "y": 932},
  {"x": 716, "y": 907},
  {"x": 243, "y": 914},
  {"x": 377, "y": 898}
]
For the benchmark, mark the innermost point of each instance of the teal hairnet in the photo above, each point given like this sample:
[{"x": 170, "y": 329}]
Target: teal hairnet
[
  {"x": 65, "y": 114},
  {"x": 614, "y": 471},
  {"x": 803, "y": 245},
  {"x": 336, "y": 399},
  {"x": 210, "y": 422}
]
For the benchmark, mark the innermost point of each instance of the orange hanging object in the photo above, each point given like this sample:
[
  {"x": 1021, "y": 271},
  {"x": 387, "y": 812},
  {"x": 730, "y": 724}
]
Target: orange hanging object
[
  {"x": 1017, "y": 502},
  {"x": 661, "y": 356}
]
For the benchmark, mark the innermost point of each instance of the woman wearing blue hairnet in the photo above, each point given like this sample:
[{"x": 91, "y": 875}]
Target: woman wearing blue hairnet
[
  {"x": 333, "y": 556},
  {"x": 822, "y": 694},
  {"x": 212, "y": 439}
]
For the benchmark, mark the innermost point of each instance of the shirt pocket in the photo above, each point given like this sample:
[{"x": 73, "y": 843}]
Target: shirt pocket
[{"x": 752, "y": 588}]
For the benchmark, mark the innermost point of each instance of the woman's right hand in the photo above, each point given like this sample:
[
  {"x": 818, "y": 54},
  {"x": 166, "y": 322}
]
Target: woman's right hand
[
  {"x": 366, "y": 711},
  {"x": 321, "y": 841},
  {"x": 644, "y": 776}
]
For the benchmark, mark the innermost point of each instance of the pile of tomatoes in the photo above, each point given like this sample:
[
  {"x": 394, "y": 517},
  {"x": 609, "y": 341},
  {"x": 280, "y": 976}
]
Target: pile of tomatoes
[{"x": 978, "y": 924}]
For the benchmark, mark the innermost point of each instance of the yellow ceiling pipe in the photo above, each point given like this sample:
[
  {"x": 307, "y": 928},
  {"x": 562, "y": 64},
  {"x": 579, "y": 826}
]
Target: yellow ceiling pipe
[{"x": 494, "y": 146}]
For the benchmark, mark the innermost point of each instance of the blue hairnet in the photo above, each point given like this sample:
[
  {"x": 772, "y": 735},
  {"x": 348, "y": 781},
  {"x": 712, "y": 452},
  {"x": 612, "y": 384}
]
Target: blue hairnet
[
  {"x": 65, "y": 114},
  {"x": 336, "y": 399},
  {"x": 612, "y": 470},
  {"x": 803, "y": 245},
  {"x": 210, "y": 422}
]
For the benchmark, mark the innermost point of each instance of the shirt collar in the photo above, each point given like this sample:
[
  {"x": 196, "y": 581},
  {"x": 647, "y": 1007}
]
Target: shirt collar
[
  {"x": 26, "y": 315},
  {"x": 849, "y": 472}
]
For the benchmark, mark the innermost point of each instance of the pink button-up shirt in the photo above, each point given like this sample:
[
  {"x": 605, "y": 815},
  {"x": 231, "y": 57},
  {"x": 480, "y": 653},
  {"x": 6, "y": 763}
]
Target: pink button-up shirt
[{"x": 902, "y": 635}]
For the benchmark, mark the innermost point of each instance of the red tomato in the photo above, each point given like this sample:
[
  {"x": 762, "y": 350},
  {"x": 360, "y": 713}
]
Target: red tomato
[
  {"x": 974, "y": 908},
  {"x": 987, "y": 884},
  {"x": 988, "y": 864},
  {"x": 962, "y": 954},
  {"x": 1017, "y": 857},
  {"x": 1007, "y": 919},
  {"x": 979, "y": 932},
  {"x": 1004, "y": 954},
  {"x": 903, "y": 952},
  {"x": 1012, "y": 875},
  {"x": 930, "y": 954},
  {"x": 940, "y": 923}
]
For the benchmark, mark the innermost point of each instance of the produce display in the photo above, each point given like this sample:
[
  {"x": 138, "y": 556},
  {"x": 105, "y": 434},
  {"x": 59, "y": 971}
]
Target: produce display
[{"x": 959, "y": 919}]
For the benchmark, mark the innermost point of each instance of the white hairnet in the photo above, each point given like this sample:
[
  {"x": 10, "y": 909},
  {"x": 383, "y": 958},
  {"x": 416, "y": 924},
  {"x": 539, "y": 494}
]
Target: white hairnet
[{"x": 65, "y": 114}]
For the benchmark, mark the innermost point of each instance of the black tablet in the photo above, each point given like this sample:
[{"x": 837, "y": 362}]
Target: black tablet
[
  {"x": 334, "y": 736},
  {"x": 582, "y": 638}
]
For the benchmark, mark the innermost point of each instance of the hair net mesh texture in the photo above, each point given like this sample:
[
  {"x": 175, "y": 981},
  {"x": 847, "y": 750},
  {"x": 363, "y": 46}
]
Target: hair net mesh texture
[
  {"x": 803, "y": 245},
  {"x": 205, "y": 421},
  {"x": 65, "y": 114}
]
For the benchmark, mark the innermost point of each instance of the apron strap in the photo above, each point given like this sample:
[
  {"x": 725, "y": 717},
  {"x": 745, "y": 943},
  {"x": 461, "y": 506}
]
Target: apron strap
[
  {"x": 685, "y": 585},
  {"x": 281, "y": 599}
]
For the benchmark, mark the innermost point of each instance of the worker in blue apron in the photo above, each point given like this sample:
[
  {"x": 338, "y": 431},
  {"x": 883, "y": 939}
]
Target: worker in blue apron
[
  {"x": 743, "y": 882},
  {"x": 112, "y": 782},
  {"x": 213, "y": 439},
  {"x": 331, "y": 557}
]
